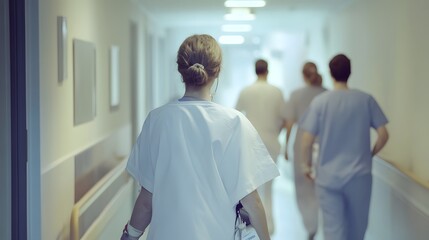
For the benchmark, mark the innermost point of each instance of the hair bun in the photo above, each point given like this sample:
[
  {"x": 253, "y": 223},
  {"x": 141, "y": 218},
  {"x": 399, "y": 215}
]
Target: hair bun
[
  {"x": 197, "y": 65},
  {"x": 197, "y": 75},
  {"x": 199, "y": 60}
]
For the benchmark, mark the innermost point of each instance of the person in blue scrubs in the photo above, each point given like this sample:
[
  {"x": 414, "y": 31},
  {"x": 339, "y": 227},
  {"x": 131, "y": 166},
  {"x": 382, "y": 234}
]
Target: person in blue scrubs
[{"x": 341, "y": 119}]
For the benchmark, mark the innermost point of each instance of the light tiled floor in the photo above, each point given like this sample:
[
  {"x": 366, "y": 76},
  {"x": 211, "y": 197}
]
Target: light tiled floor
[{"x": 288, "y": 223}]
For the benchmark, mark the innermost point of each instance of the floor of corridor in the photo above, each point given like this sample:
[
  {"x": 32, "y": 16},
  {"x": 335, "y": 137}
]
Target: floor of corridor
[{"x": 287, "y": 219}]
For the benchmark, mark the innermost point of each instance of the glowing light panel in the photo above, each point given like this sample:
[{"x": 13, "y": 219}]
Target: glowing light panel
[
  {"x": 231, "y": 39},
  {"x": 244, "y": 3},
  {"x": 237, "y": 28}
]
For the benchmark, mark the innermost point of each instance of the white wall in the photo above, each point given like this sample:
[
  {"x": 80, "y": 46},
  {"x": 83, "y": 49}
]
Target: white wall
[
  {"x": 158, "y": 88},
  {"x": 399, "y": 207},
  {"x": 387, "y": 43},
  {"x": 160, "y": 82},
  {"x": 104, "y": 23}
]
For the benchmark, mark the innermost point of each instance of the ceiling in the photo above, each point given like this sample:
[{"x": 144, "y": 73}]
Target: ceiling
[{"x": 284, "y": 15}]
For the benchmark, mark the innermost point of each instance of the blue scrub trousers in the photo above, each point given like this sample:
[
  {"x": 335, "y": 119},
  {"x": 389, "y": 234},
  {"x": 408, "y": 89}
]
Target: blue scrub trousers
[{"x": 345, "y": 210}]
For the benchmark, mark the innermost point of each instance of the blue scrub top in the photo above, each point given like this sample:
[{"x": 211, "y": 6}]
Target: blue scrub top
[{"x": 342, "y": 120}]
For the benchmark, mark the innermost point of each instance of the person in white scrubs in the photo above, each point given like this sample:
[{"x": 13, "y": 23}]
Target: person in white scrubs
[
  {"x": 196, "y": 160},
  {"x": 297, "y": 105},
  {"x": 263, "y": 104},
  {"x": 342, "y": 119}
]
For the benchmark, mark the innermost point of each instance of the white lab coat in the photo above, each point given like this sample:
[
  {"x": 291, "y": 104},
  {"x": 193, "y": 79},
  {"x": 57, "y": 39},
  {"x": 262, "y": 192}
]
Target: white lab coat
[{"x": 198, "y": 159}]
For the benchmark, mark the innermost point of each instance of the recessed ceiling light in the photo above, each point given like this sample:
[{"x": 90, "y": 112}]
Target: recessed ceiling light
[
  {"x": 239, "y": 17},
  {"x": 231, "y": 39},
  {"x": 237, "y": 28},
  {"x": 240, "y": 14},
  {"x": 245, "y": 3}
]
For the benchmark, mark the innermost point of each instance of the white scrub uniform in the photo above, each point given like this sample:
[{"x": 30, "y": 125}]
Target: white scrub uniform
[
  {"x": 305, "y": 189},
  {"x": 263, "y": 104},
  {"x": 342, "y": 120},
  {"x": 198, "y": 159}
]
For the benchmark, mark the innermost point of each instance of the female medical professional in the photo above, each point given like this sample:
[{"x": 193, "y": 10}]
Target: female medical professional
[
  {"x": 298, "y": 103},
  {"x": 195, "y": 159}
]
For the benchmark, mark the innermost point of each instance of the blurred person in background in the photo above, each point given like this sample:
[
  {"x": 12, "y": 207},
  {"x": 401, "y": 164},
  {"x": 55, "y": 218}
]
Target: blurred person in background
[
  {"x": 263, "y": 104},
  {"x": 297, "y": 105}
]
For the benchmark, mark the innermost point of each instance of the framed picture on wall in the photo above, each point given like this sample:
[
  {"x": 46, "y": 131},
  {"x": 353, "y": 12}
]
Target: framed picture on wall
[{"x": 84, "y": 81}]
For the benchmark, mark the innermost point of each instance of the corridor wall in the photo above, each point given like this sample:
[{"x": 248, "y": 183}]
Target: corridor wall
[
  {"x": 387, "y": 43},
  {"x": 103, "y": 23}
]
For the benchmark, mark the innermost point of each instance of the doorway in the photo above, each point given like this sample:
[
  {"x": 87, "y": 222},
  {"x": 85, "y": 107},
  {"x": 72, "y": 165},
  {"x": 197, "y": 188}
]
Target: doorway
[
  {"x": 17, "y": 142},
  {"x": 20, "y": 126}
]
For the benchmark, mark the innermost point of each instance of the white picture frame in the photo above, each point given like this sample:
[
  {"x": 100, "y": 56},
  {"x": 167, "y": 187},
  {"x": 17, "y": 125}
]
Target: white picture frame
[
  {"x": 62, "y": 33},
  {"x": 115, "y": 85}
]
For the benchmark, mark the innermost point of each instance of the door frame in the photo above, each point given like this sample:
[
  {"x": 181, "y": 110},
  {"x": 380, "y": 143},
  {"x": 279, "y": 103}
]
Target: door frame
[
  {"x": 5, "y": 132},
  {"x": 25, "y": 115},
  {"x": 18, "y": 118},
  {"x": 34, "y": 215}
]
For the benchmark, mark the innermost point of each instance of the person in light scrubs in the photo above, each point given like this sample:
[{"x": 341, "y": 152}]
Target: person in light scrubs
[
  {"x": 263, "y": 104},
  {"x": 196, "y": 160},
  {"x": 342, "y": 119},
  {"x": 297, "y": 105}
]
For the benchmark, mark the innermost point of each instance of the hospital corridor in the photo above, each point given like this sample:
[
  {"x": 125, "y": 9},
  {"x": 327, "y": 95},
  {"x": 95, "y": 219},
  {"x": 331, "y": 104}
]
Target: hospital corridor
[{"x": 83, "y": 82}]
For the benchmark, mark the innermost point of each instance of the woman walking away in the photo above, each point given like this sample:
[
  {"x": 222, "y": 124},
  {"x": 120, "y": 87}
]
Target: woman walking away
[
  {"x": 196, "y": 160},
  {"x": 296, "y": 107}
]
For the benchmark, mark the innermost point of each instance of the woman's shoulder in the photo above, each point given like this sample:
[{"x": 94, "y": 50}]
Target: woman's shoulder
[
  {"x": 219, "y": 110},
  {"x": 231, "y": 116},
  {"x": 228, "y": 112}
]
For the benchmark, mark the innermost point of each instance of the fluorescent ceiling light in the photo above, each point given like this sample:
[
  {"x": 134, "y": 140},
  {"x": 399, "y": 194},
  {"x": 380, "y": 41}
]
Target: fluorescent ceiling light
[
  {"x": 240, "y": 14},
  {"x": 239, "y": 17},
  {"x": 244, "y": 3},
  {"x": 231, "y": 39},
  {"x": 237, "y": 28}
]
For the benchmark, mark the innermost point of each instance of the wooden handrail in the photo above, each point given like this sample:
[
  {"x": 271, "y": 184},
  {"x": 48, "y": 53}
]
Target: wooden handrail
[{"x": 92, "y": 195}]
